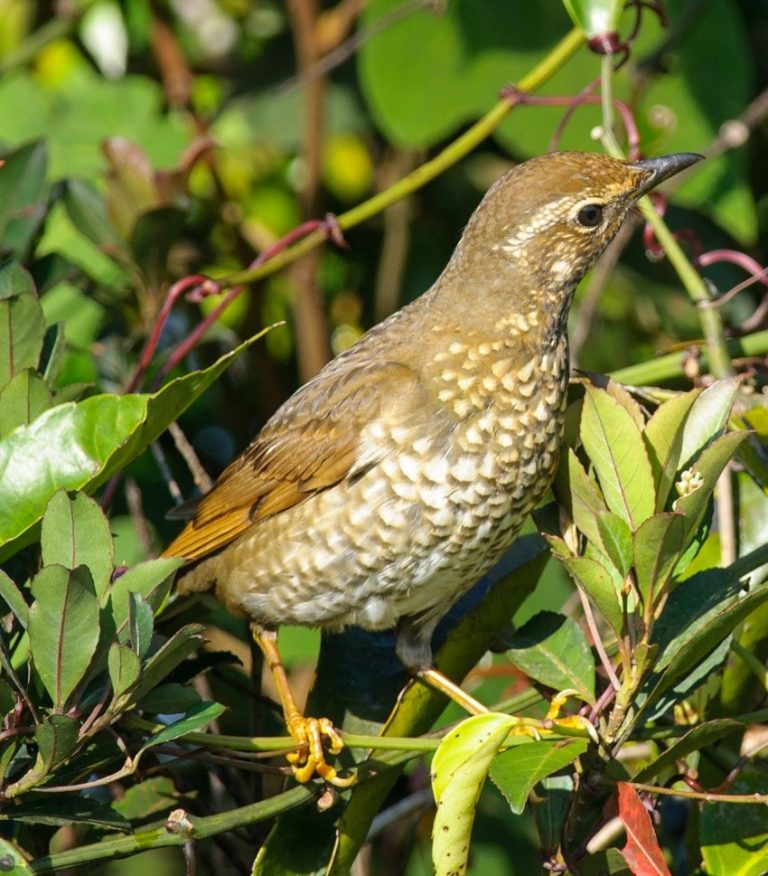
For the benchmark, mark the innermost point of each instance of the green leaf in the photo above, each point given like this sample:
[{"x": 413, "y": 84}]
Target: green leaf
[
  {"x": 67, "y": 809},
  {"x": 712, "y": 80},
  {"x": 77, "y": 446},
  {"x": 657, "y": 547},
  {"x": 63, "y": 629},
  {"x": 15, "y": 279},
  {"x": 23, "y": 399},
  {"x": 195, "y": 719},
  {"x": 13, "y": 861},
  {"x": 459, "y": 770},
  {"x": 456, "y": 60},
  {"x": 579, "y": 494},
  {"x": 516, "y": 770},
  {"x": 151, "y": 580},
  {"x": 595, "y": 17},
  {"x": 167, "y": 658},
  {"x": 169, "y": 699},
  {"x": 150, "y": 797},
  {"x": 708, "y": 417},
  {"x": 699, "y": 614},
  {"x": 600, "y": 585},
  {"x": 56, "y": 739},
  {"x": 696, "y": 739},
  {"x": 615, "y": 445},
  {"x": 553, "y": 650},
  {"x": 140, "y": 624},
  {"x": 75, "y": 533},
  {"x": 22, "y": 329},
  {"x": 11, "y": 595},
  {"x": 709, "y": 466},
  {"x": 124, "y": 669},
  {"x": 616, "y": 538},
  {"x": 734, "y": 839},
  {"x": 87, "y": 209},
  {"x": 23, "y": 196},
  {"x": 652, "y": 704},
  {"x": 664, "y": 438}
]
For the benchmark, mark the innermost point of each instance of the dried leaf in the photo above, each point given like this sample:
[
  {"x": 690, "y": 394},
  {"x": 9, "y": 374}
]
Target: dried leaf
[{"x": 642, "y": 851}]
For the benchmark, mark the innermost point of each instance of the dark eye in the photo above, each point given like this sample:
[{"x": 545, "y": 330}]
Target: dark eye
[{"x": 590, "y": 216}]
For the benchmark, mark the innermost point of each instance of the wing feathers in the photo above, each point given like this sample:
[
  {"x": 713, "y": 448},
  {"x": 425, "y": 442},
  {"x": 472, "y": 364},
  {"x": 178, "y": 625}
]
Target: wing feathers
[{"x": 311, "y": 444}]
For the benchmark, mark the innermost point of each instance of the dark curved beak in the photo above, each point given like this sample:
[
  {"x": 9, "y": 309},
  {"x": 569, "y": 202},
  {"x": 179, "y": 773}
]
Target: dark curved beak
[{"x": 663, "y": 168}]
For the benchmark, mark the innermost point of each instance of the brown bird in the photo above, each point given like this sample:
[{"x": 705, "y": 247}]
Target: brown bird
[{"x": 388, "y": 484}]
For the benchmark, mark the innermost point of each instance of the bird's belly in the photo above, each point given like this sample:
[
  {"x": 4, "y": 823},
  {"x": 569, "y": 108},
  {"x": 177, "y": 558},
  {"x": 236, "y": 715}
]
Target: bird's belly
[{"x": 407, "y": 538}]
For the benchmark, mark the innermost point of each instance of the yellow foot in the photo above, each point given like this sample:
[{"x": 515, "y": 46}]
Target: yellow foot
[
  {"x": 309, "y": 760},
  {"x": 551, "y": 721},
  {"x": 553, "y": 715}
]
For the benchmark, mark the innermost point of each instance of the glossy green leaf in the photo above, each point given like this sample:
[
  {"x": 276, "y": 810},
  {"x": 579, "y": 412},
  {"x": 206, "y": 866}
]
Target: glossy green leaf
[
  {"x": 195, "y": 719},
  {"x": 75, "y": 533},
  {"x": 695, "y": 739},
  {"x": 65, "y": 810},
  {"x": 682, "y": 108},
  {"x": 22, "y": 329},
  {"x": 14, "y": 862},
  {"x": 653, "y": 703},
  {"x": 580, "y": 495},
  {"x": 168, "y": 656},
  {"x": 699, "y": 614},
  {"x": 169, "y": 699},
  {"x": 23, "y": 399},
  {"x": 595, "y": 17},
  {"x": 23, "y": 196},
  {"x": 516, "y": 770},
  {"x": 63, "y": 629},
  {"x": 124, "y": 668},
  {"x": 616, "y": 538},
  {"x": 11, "y": 596},
  {"x": 663, "y": 436},
  {"x": 657, "y": 546},
  {"x": 15, "y": 279},
  {"x": 82, "y": 316},
  {"x": 151, "y": 579},
  {"x": 459, "y": 769},
  {"x": 734, "y": 839},
  {"x": 140, "y": 623},
  {"x": 708, "y": 417},
  {"x": 553, "y": 650},
  {"x": 553, "y": 798},
  {"x": 615, "y": 446},
  {"x": 465, "y": 52},
  {"x": 77, "y": 446},
  {"x": 153, "y": 796},
  {"x": 56, "y": 738},
  {"x": 600, "y": 585}
]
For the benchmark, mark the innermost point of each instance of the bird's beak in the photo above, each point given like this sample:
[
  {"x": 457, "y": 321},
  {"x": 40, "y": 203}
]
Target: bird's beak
[{"x": 659, "y": 169}]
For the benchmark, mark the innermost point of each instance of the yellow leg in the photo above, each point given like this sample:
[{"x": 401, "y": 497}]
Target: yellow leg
[
  {"x": 309, "y": 733},
  {"x": 441, "y": 682}
]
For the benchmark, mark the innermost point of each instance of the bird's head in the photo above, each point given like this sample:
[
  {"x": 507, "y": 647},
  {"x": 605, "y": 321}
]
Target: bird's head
[{"x": 545, "y": 222}]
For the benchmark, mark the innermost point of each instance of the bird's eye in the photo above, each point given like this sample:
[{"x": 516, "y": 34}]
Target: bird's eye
[{"x": 590, "y": 215}]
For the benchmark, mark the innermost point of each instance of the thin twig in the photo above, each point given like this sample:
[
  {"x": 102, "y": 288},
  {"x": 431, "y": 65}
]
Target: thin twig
[{"x": 200, "y": 476}]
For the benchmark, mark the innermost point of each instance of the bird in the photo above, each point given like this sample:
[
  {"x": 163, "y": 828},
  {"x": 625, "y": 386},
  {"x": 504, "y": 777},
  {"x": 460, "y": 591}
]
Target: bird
[{"x": 390, "y": 482}]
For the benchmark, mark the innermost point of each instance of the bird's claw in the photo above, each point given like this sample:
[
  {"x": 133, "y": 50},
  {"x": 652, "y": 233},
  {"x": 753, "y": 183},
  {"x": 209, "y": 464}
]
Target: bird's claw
[
  {"x": 552, "y": 720},
  {"x": 309, "y": 759}
]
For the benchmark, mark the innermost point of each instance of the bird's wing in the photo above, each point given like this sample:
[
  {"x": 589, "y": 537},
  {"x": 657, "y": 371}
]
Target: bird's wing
[{"x": 310, "y": 444}]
